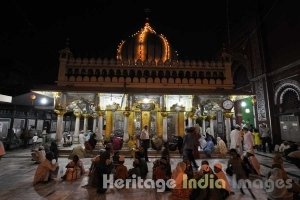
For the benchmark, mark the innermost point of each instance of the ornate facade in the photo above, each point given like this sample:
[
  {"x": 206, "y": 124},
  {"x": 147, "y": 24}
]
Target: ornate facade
[{"x": 145, "y": 85}]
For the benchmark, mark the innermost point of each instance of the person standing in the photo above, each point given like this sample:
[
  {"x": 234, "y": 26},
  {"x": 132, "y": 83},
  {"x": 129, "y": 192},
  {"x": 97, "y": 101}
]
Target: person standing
[
  {"x": 145, "y": 140},
  {"x": 248, "y": 140},
  {"x": 25, "y": 137},
  {"x": 189, "y": 144},
  {"x": 236, "y": 139},
  {"x": 257, "y": 140},
  {"x": 266, "y": 137},
  {"x": 54, "y": 150},
  {"x": 34, "y": 141}
]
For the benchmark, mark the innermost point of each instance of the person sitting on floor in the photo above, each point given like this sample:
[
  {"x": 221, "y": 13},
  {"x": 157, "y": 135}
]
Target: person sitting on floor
[
  {"x": 208, "y": 191},
  {"x": 276, "y": 192},
  {"x": 227, "y": 190},
  {"x": 179, "y": 175},
  {"x": 209, "y": 148},
  {"x": 77, "y": 150},
  {"x": 121, "y": 169},
  {"x": 253, "y": 162},
  {"x": 75, "y": 169},
  {"x": 44, "y": 169},
  {"x": 143, "y": 164},
  {"x": 38, "y": 155},
  {"x": 284, "y": 146},
  {"x": 189, "y": 169},
  {"x": 221, "y": 146},
  {"x": 135, "y": 170},
  {"x": 294, "y": 157}
]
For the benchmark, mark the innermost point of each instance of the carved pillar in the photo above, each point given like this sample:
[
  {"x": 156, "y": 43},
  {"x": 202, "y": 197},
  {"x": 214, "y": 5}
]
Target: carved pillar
[
  {"x": 85, "y": 122},
  {"x": 211, "y": 124},
  {"x": 77, "y": 114},
  {"x": 165, "y": 126},
  {"x": 126, "y": 135},
  {"x": 109, "y": 125},
  {"x": 203, "y": 117},
  {"x": 131, "y": 126},
  {"x": 190, "y": 119},
  {"x": 60, "y": 110},
  {"x": 181, "y": 124},
  {"x": 100, "y": 124},
  {"x": 159, "y": 124},
  {"x": 94, "y": 115},
  {"x": 60, "y": 127},
  {"x": 253, "y": 108},
  {"x": 228, "y": 115}
]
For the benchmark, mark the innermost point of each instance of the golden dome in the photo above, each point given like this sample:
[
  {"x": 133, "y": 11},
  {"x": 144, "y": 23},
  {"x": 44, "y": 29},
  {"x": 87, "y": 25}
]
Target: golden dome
[{"x": 144, "y": 45}]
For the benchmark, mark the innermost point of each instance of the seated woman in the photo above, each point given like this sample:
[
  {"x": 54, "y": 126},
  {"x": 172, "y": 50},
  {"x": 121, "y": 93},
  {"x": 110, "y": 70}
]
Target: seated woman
[
  {"x": 121, "y": 169},
  {"x": 189, "y": 169},
  {"x": 276, "y": 193},
  {"x": 38, "y": 155},
  {"x": 93, "y": 141},
  {"x": 253, "y": 162},
  {"x": 222, "y": 148},
  {"x": 161, "y": 171},
  {"x": 75, "y": 169},
  {"x": 43, "y": 171},
  {"x": 179, "y": 175},
  {"x": 142, "y": 164},
  {"x": 135, "y": 170},
  {"x": 77, "y": 150},
  {"x": 209, "y": 148},
  {"x": 209, "y": 191}
]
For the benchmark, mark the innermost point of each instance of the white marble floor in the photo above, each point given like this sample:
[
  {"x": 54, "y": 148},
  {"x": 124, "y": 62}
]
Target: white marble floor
[{"x": 17, "y": 171}]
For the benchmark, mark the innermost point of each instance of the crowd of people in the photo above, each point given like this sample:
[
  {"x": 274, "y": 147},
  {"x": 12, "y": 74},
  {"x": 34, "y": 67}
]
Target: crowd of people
[{"x": 242, "y": 163}]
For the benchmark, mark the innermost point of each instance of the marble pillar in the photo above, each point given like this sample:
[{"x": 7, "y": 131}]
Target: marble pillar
[
  {"x": 228, "y": 127},
  {"x": 181, "y": 124},
  {"x": 100, "y": 125},
  {"x": 77, "y": 126},
  {"x": 60, "y": 127},
  {"x": 94, "y": 122},
  {"x": 190, "y": 119},
  {"x": 203, "y": 125},
  {"x": 165, "y": 126},
  {"x": 211, "y": 125},
  {"x": 85, "y": 122},
  {"x": 126, "y": 135}
]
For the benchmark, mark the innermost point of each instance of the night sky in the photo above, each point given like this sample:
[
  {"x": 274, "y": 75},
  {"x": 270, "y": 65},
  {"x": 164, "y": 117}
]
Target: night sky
[{"x": 33, "y": 32}]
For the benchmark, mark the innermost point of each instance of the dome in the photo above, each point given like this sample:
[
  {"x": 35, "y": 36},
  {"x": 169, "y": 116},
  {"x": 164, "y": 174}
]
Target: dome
[{"x": 146, "y": 44}]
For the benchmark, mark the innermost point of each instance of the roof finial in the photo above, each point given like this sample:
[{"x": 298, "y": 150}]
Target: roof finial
[
  {"x": 68, "y": 42},
  {"x": 147, "y": 14}
]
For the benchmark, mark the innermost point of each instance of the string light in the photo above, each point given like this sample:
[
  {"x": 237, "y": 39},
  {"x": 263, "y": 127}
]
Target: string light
[{"x": 141, "y": 50}]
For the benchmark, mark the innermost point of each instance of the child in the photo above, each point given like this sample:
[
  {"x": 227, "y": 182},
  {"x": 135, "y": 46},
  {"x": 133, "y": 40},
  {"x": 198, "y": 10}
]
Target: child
[{"x": 34, "y": 140}]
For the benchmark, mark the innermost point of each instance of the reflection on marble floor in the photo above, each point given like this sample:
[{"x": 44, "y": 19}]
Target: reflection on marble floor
[{"x": 17, "y": 173}]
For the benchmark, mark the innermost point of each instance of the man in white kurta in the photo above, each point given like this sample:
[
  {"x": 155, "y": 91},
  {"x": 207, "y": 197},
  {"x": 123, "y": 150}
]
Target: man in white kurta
[
  {"x": 248, "y": 140},
  {"x": 236, "y": 139}
]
